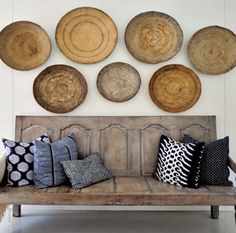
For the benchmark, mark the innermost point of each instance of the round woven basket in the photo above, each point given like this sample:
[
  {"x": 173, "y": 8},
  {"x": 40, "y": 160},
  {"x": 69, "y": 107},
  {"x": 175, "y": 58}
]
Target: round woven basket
[
  {"x": 153, "y": 37},
  {"x": 24, "y": 45},
  {"x": 212, "y": 50},
  {"x": 60, "y": 88},
  {"x": 118, "y": 82},
  {"x": 175, "y": 88},
  {"x": 86, "y": 35}
]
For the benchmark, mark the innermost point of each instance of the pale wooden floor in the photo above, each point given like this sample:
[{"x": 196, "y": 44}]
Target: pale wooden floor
[{"x": 65, "y": 221}]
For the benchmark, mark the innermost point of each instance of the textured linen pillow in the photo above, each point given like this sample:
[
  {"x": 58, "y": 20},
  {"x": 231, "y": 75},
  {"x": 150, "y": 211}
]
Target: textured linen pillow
[
  {"x": 48, "y": 171},
  {"x": 2, "y": 166},
  {"x": 82, "y": 173},
  {"x": 20, "y": 158},
  {"x": 179, "y": 163},
  {"x": 214, "y": 167}
]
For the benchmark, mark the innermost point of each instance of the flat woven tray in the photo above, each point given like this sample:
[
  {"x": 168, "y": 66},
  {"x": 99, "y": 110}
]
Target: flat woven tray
[
  {"x": 24, "y": 45},
  {"x": 175, "y": 88},
  {"x": 212, "y": 50},
  {"x": 118, "y": 82},
  {"x": 86, "y": 35},
  {"x": 60, "y": 88},
  {"x": 153, "y": 37}
]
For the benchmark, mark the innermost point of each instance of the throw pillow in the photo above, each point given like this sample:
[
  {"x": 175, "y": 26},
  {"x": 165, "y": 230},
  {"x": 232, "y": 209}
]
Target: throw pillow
[
  {"x": 214, "y": 168},
  {"x": 82, "y": 173},
  {"x": 20, "y": 160},
  {"x": 48, "y": 171},
  {"x": 179, "y": 163},
  {"x": 2, "y": 166}
]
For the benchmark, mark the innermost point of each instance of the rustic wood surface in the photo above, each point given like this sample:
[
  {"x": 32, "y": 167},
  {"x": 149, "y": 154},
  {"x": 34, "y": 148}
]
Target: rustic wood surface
[
  {"x": 212, "y": 50},
  {"x": 128, "y": 160},
  {"x": 24, "y": 45},
  {"x": 128, "y": 145},
  {"x": 129, "y": 190},
  {"x": 86, "y": 35},
  {"x": 153, "y": 37},
  {"x": 175, "y": 88},
  {"x": 232, "y": 165}
]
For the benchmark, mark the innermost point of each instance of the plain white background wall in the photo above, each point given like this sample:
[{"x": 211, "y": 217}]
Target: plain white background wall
[{"x": 218, "y": 92}]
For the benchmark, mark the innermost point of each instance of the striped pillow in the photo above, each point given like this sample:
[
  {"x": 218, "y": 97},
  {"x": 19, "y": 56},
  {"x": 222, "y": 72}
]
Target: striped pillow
[{"x": 48, "y": 171}]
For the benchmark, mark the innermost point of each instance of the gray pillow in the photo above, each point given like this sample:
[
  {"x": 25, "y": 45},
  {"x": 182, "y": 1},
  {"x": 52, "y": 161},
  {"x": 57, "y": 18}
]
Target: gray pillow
[
  {"x": 82, "y": 173},
  {"x": 48, "y": 171}
]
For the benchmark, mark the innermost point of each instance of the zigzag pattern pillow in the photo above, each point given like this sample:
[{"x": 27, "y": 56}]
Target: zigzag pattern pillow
[
  {"x": 20, "y": 158},
  {"x": 179, "y": 163}
]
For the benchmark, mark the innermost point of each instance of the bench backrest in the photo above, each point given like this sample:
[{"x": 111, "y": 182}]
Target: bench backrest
[{"x": 127, "y": 144}]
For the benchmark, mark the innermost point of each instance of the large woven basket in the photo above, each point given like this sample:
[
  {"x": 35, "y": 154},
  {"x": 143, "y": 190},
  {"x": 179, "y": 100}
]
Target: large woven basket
[
  {"x": 86, "y": 35},
  {"x": 153, "y": 37},
  {"x": 24, "y": 45},
  {"x": 212, "y": 50},
  {"x": 175, "y": 88}
]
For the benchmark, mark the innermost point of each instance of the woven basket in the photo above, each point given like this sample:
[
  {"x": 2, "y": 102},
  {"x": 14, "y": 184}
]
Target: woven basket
[
  {"x": 153, "y": 37},
  {"x": 86, "y": 35},
  {"x": 118, "y": 82},
  {"x": 24, "y": 45},
  {"x": 60, "y": 88},
  {"x": 175, "y": 88},
  {"x": 212, "y": 50}
]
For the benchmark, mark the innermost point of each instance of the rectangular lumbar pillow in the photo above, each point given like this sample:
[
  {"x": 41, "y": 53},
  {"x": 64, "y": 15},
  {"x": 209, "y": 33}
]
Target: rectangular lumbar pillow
[
  {"x": 48, "y": 171},
  {"x": 179, "y": 163},
  {"x": 82, "y": 173},
  {"x": 20, "y": 159},
  {"x": 214, "y": 167}
]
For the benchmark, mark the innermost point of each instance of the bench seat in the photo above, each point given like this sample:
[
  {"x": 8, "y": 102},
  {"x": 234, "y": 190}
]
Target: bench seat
[{"x": 137, "y": 190}]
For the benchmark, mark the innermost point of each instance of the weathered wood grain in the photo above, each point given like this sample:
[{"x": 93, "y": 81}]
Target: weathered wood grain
[
  {"x": 128, "y": 145},
  {"x": 106, "y": 186},
  {"x": 232, "y": 165}
]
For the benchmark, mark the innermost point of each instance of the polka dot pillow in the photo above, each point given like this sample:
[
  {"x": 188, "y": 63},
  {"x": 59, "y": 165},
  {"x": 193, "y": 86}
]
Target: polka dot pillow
[{"x": 20, "y": 158}]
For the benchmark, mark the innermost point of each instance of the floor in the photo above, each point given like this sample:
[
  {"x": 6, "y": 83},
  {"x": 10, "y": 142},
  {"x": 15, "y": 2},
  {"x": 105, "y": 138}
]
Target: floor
[{"x": 82, "y": 221}]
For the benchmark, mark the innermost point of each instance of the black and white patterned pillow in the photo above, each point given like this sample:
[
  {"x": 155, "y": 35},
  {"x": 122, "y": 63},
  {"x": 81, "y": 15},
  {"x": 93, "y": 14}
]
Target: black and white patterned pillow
[
  {"x": 83, "y": 173},
  {"x": 20, "y": 158},
  {"x": 214, "y": 167},
  {"x": 179, "y": 163}
]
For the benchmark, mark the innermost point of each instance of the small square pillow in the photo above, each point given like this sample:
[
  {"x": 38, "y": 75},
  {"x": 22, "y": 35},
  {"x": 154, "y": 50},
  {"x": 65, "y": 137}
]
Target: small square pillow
[
  {"x": 20, "y": 158},
  {"x": 48, "y": 171},
  {"x": 214, "y": 167},
  {"x": 179, "y": 163},
  {"x": 82, "y": 173}
]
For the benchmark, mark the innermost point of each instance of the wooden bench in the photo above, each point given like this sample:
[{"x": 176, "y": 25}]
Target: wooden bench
[{"x": 128, "y": 146}]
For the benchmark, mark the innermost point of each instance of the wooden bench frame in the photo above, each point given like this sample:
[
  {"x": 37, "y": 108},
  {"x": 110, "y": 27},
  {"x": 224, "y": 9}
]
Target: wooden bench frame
[{"x": 134, "y": 147}]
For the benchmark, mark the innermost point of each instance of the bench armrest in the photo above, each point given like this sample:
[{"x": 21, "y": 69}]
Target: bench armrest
[{"x": 232, "y": 165}]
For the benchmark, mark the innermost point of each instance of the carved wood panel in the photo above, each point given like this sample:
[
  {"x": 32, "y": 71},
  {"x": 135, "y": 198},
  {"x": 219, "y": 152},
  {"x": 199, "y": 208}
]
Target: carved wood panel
[
  {"x": 128, "y": 145},
  {"x": 196, "y": 131},
  {"x": 150, "y": 137},
  {"x": 33, "y": 131},
  {"x": 83, "y": 138},
  {"x": 114, "y": 149}
]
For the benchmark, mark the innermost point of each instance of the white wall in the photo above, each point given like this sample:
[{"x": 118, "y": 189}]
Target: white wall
[
  {"x": 218, "y": 98},
  {"x": 218, "y": 92}
]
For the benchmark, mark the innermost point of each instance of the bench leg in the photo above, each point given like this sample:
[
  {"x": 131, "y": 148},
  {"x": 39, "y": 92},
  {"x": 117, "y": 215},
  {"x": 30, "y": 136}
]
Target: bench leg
[
  {"x": 215, "y": 212},
  {"x": 16, "y": 210}
]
